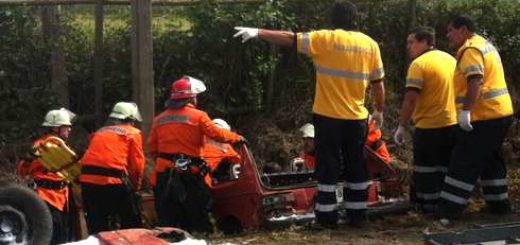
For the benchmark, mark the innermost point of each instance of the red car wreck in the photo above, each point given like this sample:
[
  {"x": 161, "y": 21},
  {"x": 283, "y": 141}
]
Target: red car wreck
[{"x": 244, "y": 198}]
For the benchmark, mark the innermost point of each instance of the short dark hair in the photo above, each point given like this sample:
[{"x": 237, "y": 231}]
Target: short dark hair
[
  {"x": 344, "y": 15},
  {"x": 424, "y": 33},
  {"x": 459, "y": 21}
]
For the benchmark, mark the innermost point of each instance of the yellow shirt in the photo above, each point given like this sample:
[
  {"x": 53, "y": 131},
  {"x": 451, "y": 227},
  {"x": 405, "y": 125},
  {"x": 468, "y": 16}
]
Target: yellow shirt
[
  {"x": 345, "y": 62},
  {"x": 432, "y": 74},
  {"x": 479, "y": 57}
]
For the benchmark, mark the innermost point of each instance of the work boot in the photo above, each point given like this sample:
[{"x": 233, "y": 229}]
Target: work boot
[
  {"x": 498, "y": 208},
  {"x": 318, "y": 226},
  {"x": 357, "y": 219}
]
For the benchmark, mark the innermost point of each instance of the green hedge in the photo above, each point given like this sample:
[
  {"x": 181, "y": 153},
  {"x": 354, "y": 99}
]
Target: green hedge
[{"x": 198, "y": 41}]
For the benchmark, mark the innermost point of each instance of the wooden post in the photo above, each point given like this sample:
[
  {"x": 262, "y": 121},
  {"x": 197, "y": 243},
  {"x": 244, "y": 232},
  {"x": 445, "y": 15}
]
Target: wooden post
[
  {"x": 413, "y": 13},
  {"x": 51, "y": 31},
  {"x": 98, "y": 63},
  {"x": 142, "y": 60}
]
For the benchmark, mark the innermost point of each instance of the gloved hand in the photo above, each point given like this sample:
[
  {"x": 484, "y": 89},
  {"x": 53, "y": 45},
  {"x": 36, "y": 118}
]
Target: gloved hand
[
  {"x": 399, "y": 135},
  {"x": 246, "y": 33},
  {"x": 378, "y": 118},
  {"x": 464, "y": 120}
]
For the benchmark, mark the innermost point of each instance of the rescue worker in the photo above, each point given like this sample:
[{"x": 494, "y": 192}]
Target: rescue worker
[
  {"x": 49, "y": 185},
  {"x": 430, "y": 101},
  {"x": 176, "y": 143},
  {"x": 374, "y": 141},
  {"x": 485, "y": 112},
  {"x": 216, "y": 153},
  {"x": 309, "y": 149},
  {"x": 346, "y": 62},
  {"x": 112, "y": 171}
]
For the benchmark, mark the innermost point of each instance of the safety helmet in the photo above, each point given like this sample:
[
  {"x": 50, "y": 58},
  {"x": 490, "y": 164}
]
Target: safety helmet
[
  {"x": 186, "y": 87},
  {"x": 221, "y": 123},
  {"x": 307, "y": 130},
  {"x": 56, "y": 118},
  {"x": 126, "y": 110}
]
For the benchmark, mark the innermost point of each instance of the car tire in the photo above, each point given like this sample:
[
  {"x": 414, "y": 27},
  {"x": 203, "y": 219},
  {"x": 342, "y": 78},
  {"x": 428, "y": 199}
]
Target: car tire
[{"x": 24, "y": 217}]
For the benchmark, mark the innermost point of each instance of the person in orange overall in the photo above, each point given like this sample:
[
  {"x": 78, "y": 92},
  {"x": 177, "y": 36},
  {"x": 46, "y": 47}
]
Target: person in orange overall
[
  {"x": 374, "y": 141},
  {"x": 309, "y": 148},
  {"x": 176, "y": 143},
  {"x": 216, "y": 153},
  {"x": 49, "y": 185},
  {"x": 112, "y": 171}
]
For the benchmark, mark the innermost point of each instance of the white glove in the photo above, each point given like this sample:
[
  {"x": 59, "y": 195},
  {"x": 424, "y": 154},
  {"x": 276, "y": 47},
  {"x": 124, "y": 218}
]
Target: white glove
[
  {"x": 378, "y": 119},
  {"x": 465, "y": 120},
  {"x": 399, "y": 135},
  {"x": 246, "y": 33}
]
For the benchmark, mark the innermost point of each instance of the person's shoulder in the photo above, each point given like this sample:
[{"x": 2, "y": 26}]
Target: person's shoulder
[
  {"x": 194, "y": 110},
  {"x": 322, "y": 33},
  {"x": 161, "y": 114},
  {"x": 364, "y": 37},
  {"x": 132, "y": 130},
  {"x": 443, "y": 55}
]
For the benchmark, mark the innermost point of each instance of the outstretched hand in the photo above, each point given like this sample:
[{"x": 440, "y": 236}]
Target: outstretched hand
[{"x": 246, "y": 33}]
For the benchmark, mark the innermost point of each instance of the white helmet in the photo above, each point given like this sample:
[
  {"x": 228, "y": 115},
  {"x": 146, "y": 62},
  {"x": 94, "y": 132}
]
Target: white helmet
[
  {"x": 307, "y": 130},
  {"x": 186, "y": 87},
  {"x": 221, "y": 123},
  {"x": 126, "y": 110},
  {"x": 56, "y": 118}
]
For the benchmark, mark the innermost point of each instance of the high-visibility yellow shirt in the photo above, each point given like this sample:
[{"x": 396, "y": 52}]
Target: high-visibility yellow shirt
[
  {"x": 345, "y": 62},
  {"x": 432, "y": 74},
  {"x": 478, "y": 56}
]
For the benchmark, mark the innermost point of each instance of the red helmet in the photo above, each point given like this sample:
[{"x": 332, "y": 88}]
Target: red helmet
[{"x": 186, "y": 87}]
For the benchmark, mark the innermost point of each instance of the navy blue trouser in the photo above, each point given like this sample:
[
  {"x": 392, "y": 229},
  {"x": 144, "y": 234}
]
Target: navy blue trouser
[
  {"x": 432, "y": 151},
  {"x": 477, "y": 154},
  {"x": 340, "y": 157}
]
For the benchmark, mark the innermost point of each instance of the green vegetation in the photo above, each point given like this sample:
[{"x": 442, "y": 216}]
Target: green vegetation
[{"x": 197, "y": 40}]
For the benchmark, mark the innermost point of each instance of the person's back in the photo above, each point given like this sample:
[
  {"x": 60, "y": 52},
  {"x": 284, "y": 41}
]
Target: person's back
[
  {"x": 215, "y": 153},
  {"x": 176, "y": 143},
  {"x": 178, "y": 130},
  {"x": 345, "y": 62},
  {"x": 432, "y": 73},
  {"x": 112, "y": 171},
  {"x": 111, "y": 147}
]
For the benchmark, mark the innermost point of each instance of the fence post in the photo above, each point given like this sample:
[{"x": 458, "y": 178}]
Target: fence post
[{"x": 142, "y": 60}]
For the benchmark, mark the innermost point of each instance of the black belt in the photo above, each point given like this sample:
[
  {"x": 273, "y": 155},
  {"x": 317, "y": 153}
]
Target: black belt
[
  {"x": 109, "y": 172},
  {"x": 173, "y": 156},
  {"x": 194, "y": 162},
  {"x": 50, "y": 184},
  {"x": 377, "y": 144}
]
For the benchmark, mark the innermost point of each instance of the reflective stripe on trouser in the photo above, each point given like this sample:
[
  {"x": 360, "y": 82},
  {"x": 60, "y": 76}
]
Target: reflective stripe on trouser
[
  {"x": 477, "y": 154},
  {"x": 334, "y": 137},
  {"x": 432, "y": 150}
]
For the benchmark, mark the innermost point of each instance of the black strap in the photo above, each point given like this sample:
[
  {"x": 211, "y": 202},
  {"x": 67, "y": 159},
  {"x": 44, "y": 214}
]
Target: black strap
[
  {"x": 376, "y": 145},
  {"x": 109, "y": 172},
  {"x": 50, "y": 184},
  {"x": 294, "y": 48},
  {"x": 172, "y": 156}
]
